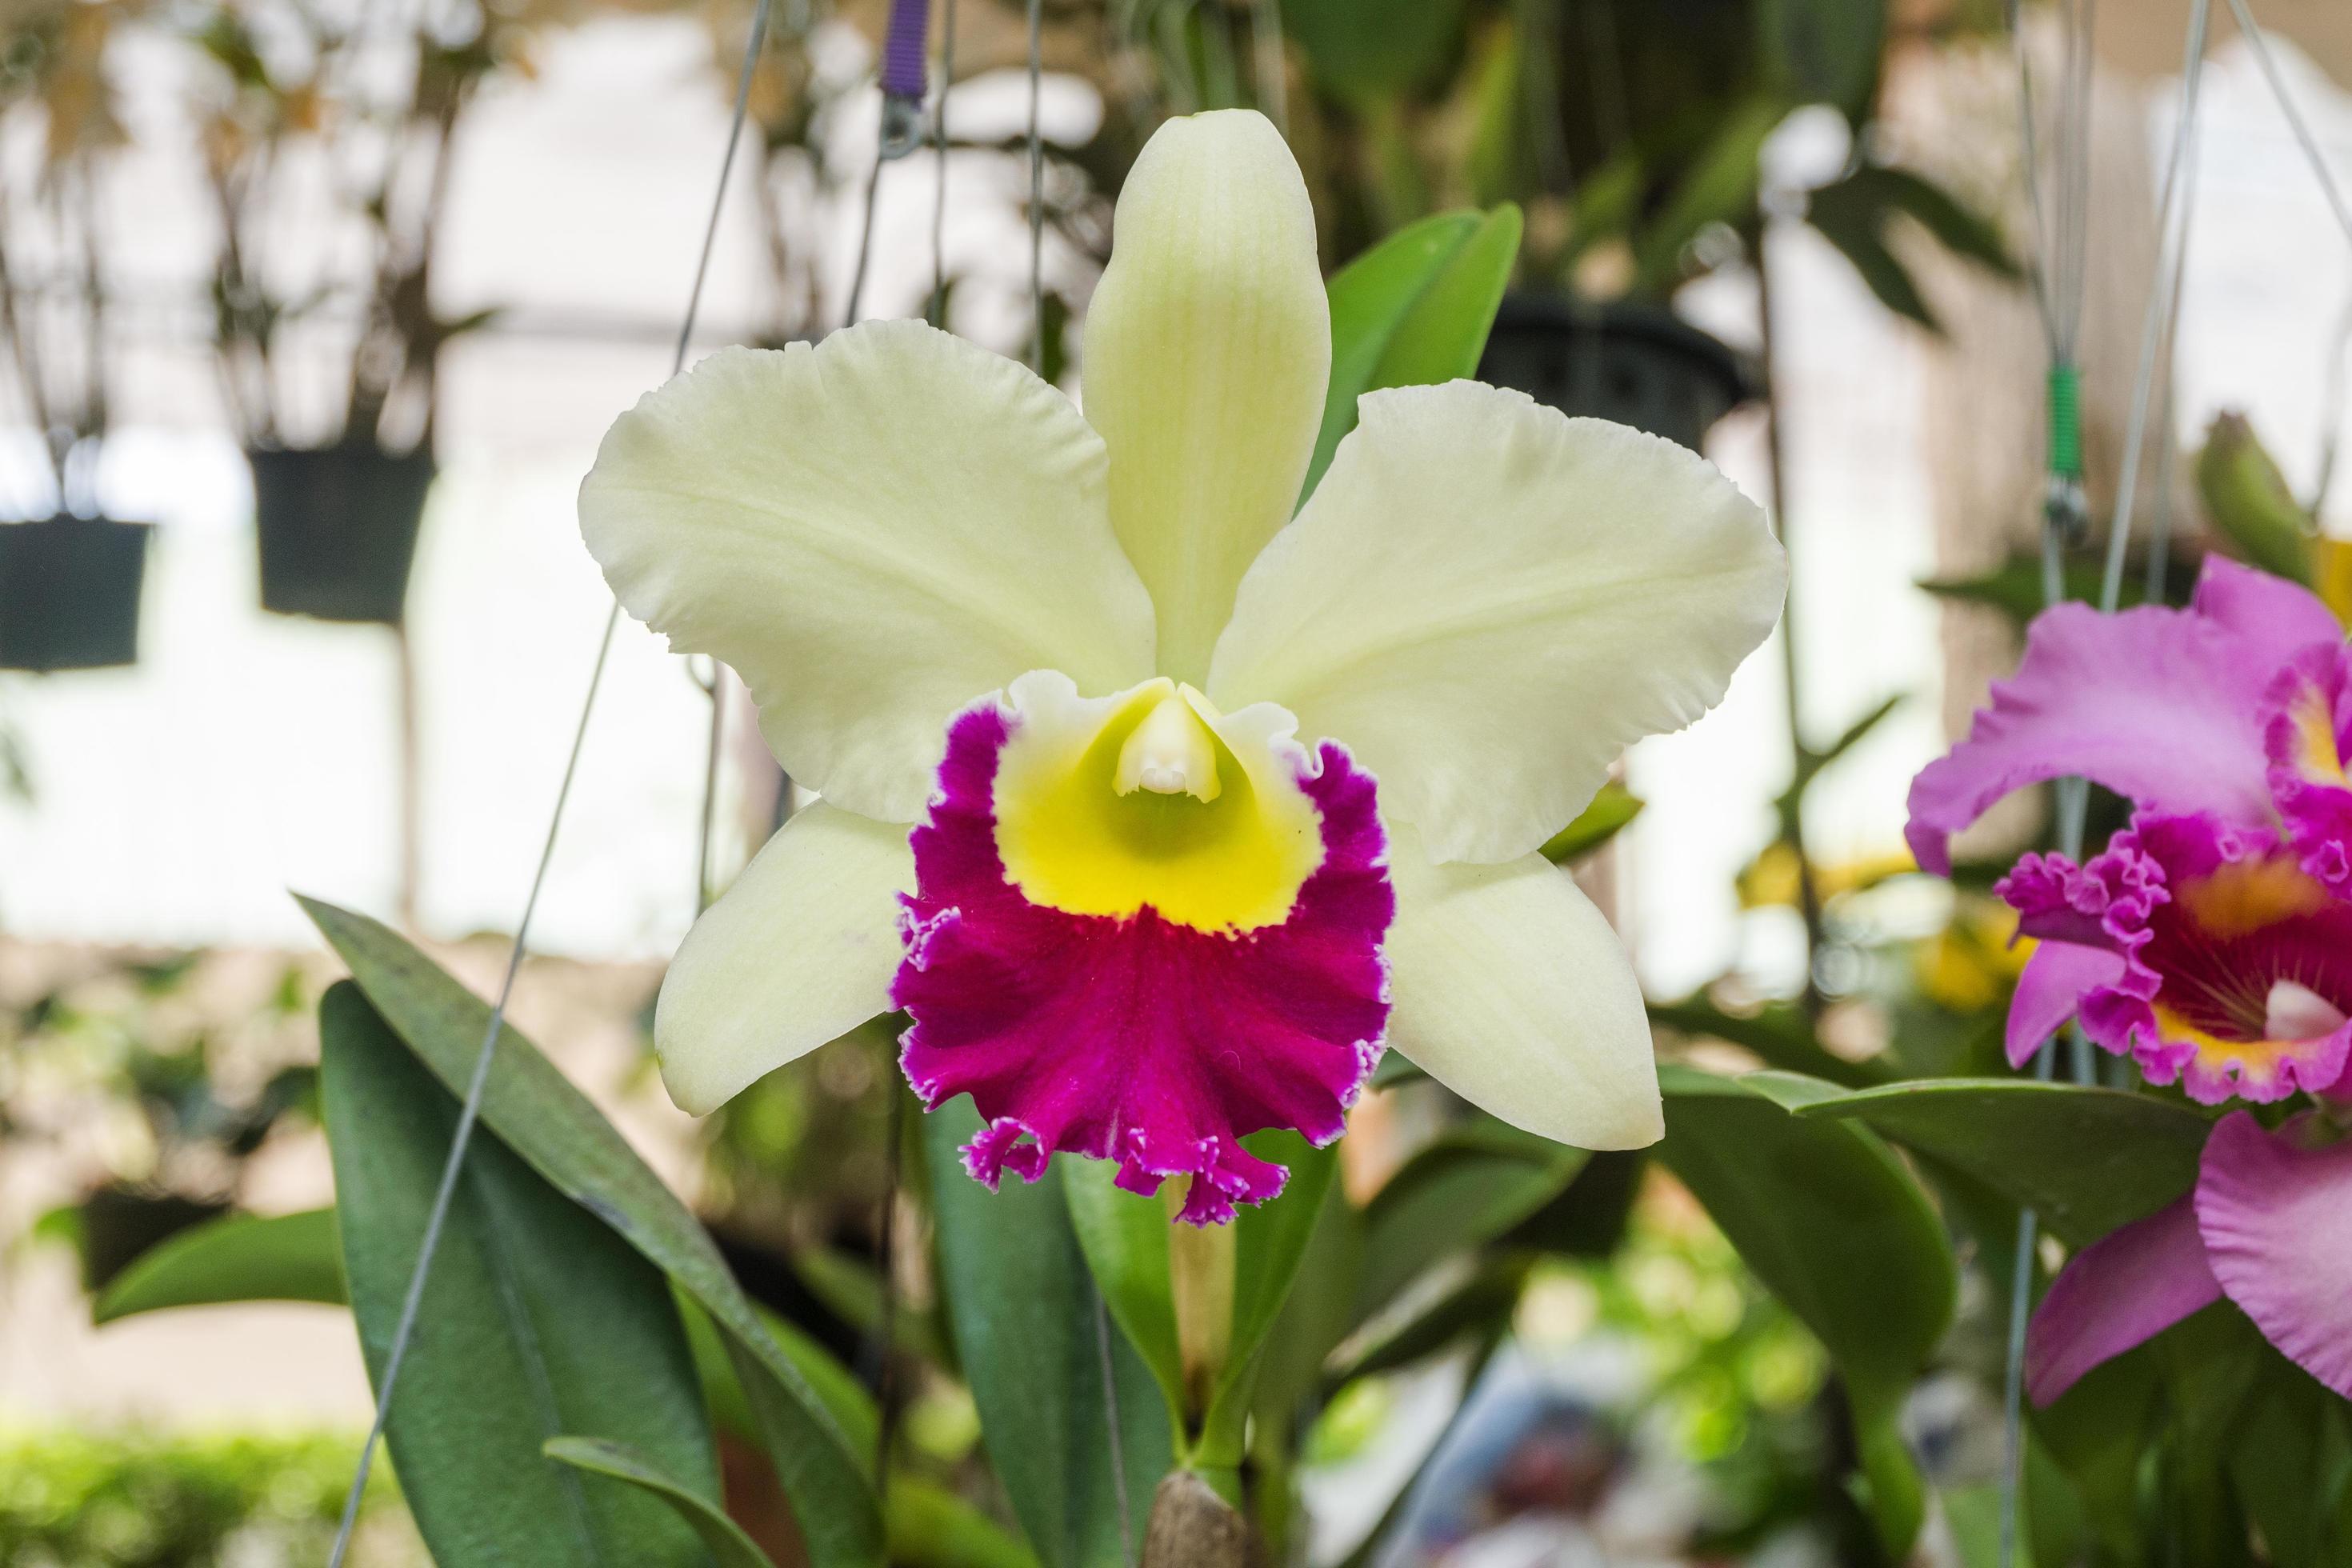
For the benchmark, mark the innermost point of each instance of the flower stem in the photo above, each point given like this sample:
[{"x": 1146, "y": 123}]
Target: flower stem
[{"x": 1201, "y": 1279}]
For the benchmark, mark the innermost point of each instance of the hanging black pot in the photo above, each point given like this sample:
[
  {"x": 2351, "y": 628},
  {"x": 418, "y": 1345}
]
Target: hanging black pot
[
  {"x": 69, "y": 592},
  {"x": 337, "y": 529},
  {"x": 1637, "y": 364}
]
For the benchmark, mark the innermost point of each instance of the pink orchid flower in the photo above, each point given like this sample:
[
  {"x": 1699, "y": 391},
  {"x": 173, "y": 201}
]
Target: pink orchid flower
[{"x": 2211, "y": 940}]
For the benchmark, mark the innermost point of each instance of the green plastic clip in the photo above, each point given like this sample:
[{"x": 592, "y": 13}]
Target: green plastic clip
[{"x": 2066, "y": 421}]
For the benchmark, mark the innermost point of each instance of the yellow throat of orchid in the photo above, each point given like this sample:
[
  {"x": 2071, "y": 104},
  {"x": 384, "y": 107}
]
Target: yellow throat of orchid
[{"x": 1152, "y": 797}]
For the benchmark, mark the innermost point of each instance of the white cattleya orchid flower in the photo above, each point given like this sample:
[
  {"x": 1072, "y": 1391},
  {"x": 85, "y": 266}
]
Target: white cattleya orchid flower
[{"x": 1159, "y": 810}]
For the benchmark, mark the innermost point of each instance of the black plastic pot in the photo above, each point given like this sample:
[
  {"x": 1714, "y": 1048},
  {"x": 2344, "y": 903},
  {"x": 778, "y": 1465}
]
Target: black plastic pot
[
  {"x": 69, "y": 592},
  {"x": 337, "y": 529},
  {"x": 1637, "y": 364}
]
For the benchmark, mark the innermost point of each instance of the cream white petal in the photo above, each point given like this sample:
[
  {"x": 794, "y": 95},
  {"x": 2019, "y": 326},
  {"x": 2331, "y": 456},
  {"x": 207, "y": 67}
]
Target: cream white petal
[
  {"x": 1507, "y": 987},
  {"x": 873, "y": 532},
  {"x": 801, "y": 950},
  {"x": 1487, "y": 601},
  {"x": 1207, "y": 348}
]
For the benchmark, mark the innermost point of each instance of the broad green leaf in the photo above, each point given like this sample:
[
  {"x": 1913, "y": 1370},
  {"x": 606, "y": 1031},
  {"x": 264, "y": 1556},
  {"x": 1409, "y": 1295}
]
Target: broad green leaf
[
  {"x": 2014, "y": 587},
  {"x": 1779, "y": 1033},
  {"x": 535, "y": 1110},
  {"x": 1125, "y": 1238},
  {"x": 1837, "y": 1229},
  {"x": 1823, "y": 51},
  {"x": 850, "y": 1289},
  {"x": 1468, "y": 1186},
  {"x": 1482, "y": 1302},
  {"x": 241, "y": 1257},
  {"x": 2085, "y": 1160},
  {"x": 728, "y": 1545},
  {"x": 1374, "y": 49},
  {"x": 1852, "y": 219},
  {"x": 926, "y": 1528},
  {"x": 536, "y": 1322},
  {"x": 2096, "y": 1434},
  {"x": 1313, "y": 1321},
  {"x": 1610, "y": 813},
  {"x": 1959, "y": 229},
  {"x": 1021, "y": 1306},
  {"x": 1718, "y": 188},
  {"x": 1270, "y": 1243},
  {"x": 1413, "y": 310}
]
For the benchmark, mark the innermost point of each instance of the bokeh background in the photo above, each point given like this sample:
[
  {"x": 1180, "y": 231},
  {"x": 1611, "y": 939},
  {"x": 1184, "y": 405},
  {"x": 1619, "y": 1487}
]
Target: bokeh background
[{"x": 496, "y": 212}]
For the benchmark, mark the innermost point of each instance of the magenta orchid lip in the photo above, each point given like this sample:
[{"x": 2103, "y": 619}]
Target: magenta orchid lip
[{"x": 1137, "y": 1038}]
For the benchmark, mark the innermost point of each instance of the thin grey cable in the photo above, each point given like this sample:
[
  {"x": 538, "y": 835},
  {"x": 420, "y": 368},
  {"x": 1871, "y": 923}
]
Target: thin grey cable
[
  {"x": 1038, "y": 186},
  {"x": 1110, "y": 1414},
  {"x": 2168, "y": 430},
  {"x": 2030, "y": 158},
  {"x": 2173, "y": 229},
  {"x": 715, "y": 689},
  {"x": 2302, "y": 128},
  {"x": 938, "y": 313},
  {"x": 2334, "y": 401},
  {"x": 469, "y": 1109},
  {"x": 864, "y": 239}
]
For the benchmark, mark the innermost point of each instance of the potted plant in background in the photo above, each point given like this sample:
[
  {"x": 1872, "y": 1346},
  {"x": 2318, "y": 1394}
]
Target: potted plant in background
[
  {"x": 339, "y": 489},
  {"x": 69, "y": 581}
]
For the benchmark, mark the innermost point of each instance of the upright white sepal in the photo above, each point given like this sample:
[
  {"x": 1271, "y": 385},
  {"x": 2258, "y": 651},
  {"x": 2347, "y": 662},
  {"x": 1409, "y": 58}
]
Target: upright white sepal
[{"x": 1208, "y": 345}]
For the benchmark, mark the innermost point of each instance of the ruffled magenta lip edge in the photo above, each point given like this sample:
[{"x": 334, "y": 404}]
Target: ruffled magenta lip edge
[{"x": 1008, "y": 1141}]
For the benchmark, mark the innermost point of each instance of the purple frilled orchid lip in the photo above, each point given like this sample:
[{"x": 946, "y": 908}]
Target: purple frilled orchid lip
[
  {"x": 2212, "y": 940},
  {"x": 1137, "y": 1038}
]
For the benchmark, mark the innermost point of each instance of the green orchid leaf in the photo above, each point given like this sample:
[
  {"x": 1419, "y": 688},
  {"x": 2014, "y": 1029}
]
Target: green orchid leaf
[
  {"x": 538, "y": 1114},
  {"x": 1611, "y": 812},
  {"x": 1270, "y": 1243},
  {"x": 2085, "y": 1160},
  {"x": 536, "y": 1322},
  {"x": 1413, "y": 310},
  {"x": 1374, "y": 49},
  {"x": 850, "y": 1289},
  {"x": 1022, "y": 1310},
  {"x": 239, "y": 1258},
  {"x": 1719, "y": 187},
  {"x": 1482, "y": 1304},
  {"x": 925, "y": 1527},
  {"x": 1779, "y": 1033},
  {"x": 1467, "y": 1188},
  {"x": 1823, "y": 51},
  {"x": 1838, "y": 1230},
  {"x": 1314, "y": 1320},
  {"x": 1125, "y": 1238},
  {"x": 725, "y": 1540}
]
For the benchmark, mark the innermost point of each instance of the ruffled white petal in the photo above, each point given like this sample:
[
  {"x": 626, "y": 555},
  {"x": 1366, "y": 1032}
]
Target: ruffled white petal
[
  {"x": 1207, "y": 348},
  {"x": 872, "y": 532},
  {"x": 1487, "y": 601},
  {"x": 1507, "y": 987},
  {"x": 800, "y": 951}
]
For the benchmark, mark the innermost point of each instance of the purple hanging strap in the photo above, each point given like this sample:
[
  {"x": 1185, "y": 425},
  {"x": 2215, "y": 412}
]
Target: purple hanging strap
[{"x": 904, "y": 76}]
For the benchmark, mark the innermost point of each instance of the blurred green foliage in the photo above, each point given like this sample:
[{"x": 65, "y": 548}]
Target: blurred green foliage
[{"x": 80, "y": 1499}]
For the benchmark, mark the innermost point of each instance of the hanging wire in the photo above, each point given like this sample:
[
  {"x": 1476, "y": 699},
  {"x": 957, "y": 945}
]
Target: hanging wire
[
  {"x": 2333, "y": 405},
  {"x": 1038, "y": 186},
  {"x": 469, "y": 1110},
  {"x": 2173, "y": 230},
  {"x": 2059, "y": 284},
  {"x": 938, "y": 312}
]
